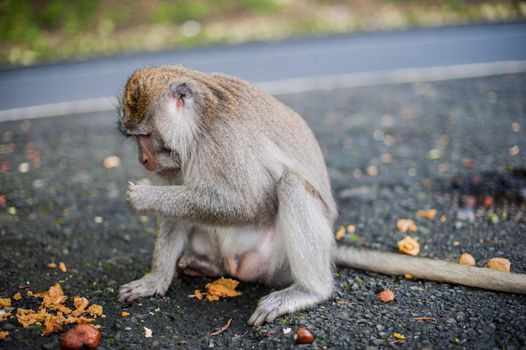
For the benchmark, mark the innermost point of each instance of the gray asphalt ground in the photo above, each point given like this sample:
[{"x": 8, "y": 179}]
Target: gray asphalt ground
[{"x": 377, "y": 142}]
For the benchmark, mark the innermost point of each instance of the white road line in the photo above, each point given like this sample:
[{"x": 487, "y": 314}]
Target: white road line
[{"x": 291, "y": 86}]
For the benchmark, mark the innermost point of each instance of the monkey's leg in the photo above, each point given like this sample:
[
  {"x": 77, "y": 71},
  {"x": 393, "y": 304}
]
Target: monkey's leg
[
  {"x": 306, "y": 241},
  {"x": 198, "y": 265},
  {"x": 168, "y": 247}
]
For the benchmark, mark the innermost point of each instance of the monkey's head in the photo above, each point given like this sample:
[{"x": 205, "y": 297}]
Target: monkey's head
[{"x": 158, "y": 109}]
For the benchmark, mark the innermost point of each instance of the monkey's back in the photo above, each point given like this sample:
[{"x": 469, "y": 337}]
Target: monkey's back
[{"x": 277, "y": 128}]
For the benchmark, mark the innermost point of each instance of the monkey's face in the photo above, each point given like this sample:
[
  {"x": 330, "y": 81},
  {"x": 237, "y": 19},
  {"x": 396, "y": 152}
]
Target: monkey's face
[{"x": 159, "y": 113}]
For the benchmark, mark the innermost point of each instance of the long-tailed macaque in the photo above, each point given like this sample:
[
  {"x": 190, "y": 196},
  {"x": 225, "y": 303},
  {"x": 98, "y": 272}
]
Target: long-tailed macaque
[{"x": 246, "y": 193}]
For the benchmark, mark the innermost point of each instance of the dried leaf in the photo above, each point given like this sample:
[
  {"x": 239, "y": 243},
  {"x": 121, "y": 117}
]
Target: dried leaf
[{"x": 222, "y": 329}]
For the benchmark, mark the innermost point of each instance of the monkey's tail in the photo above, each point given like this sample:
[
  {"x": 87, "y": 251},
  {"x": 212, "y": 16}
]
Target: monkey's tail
[{"x": 429, "y": 269}]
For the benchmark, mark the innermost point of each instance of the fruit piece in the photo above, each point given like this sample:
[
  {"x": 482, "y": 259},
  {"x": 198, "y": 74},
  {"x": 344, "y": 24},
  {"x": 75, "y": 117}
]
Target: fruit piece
[
  {"x": 4, "y": 334},
  {"x": 501, "y": 264},
  {"x": 386, "y": 296},
  {"x": 404, "y": 225},
  {"x": 467, "y": 259},
  {"x": 71, "y": 341},
  {"x": 5, "y": 302},
  {"x": 17, "y": 296},
  {"x": 62, "y": 267},
  {"x": 304, "y": 336},
  {"x": 399, "y": 336},
  {"x": 125, "y": 314},
  {"x": 409, "y": 246},
  {"x": 427, "y": 214}
]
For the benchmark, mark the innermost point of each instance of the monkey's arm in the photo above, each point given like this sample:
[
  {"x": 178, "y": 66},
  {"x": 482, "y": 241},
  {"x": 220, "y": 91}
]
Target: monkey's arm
[
  {"x": 205, "y": 204},
  {"x": 428, "y": 269},
  {"x": 169, "y": 245}
]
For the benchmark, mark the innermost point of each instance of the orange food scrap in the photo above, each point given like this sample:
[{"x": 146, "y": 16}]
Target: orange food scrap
[
  {"x": 222, "y": 288},
  {"x": 28, "y": 317},
  {"x": 386, "y": 296},
  {"x": 62, "y": 267},
  {"x": 80, "y": 304},
  {"x": 4, "y": 315},
  {"x": 340, "y": 233},
  {"x": 95, "y": 310},
  {"x": 17, "y": 296},
  {"x": 467, "y": 259},
  {"x": 62, "y": 308},
  {"x": 52, "y": 324},
  {"x": 4, "y": 335},
  {"x": 427, "y": 214},
  {"x": 351, "y": 228},
  {"x": 501, "y": 264},
  {"x": 52, "y": 297},
  {"x": 52, "y": 265},
  {"x": 409, "y": 246},
  {"x": 404, "y": 225},
  {"x": 198, "y": 294},
  {"x": 408, "y": 276},
  {"x": 5, "y": 302},
  {"x": 125, "y": 314}
]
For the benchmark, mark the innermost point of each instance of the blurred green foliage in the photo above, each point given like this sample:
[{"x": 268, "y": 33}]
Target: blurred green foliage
[{"x": 40, "y": 30}]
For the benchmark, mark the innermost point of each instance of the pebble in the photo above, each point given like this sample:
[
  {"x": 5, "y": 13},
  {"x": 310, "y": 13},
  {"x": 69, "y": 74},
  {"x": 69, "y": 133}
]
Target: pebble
[
  {"x": 380, "y": 327},
  {"x": 461, "y": 317}
]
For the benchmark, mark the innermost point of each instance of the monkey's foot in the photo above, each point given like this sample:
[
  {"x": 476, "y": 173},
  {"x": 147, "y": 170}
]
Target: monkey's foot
[
  {"x": 282, "y": 302},
  {"x": 197, "y": 265},
  {"x": 151, "y": 284}
]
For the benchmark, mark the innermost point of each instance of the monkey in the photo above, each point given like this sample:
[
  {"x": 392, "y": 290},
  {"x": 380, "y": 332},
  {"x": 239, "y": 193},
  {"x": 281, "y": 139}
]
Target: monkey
[{"x": 244, "y": 191}]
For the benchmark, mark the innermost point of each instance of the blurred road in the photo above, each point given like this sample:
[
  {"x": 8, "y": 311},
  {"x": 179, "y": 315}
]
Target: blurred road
[{"x": 278, "y": 66}]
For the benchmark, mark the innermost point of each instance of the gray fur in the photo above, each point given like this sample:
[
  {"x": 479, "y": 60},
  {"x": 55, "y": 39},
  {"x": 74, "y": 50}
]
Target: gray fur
[{"x": 249, "y": 166}]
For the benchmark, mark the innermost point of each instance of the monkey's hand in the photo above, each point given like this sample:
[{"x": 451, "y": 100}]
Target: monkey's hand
[
  {"x": 151, "y": 284},
  {"x": 144, "y": 199}
]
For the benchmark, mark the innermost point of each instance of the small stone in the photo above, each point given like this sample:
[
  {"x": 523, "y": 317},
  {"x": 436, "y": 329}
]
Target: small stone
[
  {"x": 380, "y": 328},
  {"x": 461, "y": 317}
]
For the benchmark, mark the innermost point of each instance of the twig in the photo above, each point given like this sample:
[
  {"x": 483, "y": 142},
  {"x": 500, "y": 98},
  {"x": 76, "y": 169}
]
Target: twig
[{"x": 222, "y": 329}]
